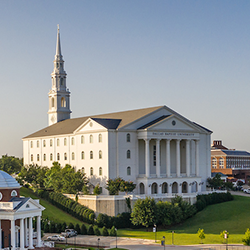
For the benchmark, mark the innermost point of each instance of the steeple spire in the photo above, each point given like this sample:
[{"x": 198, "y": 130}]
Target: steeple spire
[
  {"x": 59, "y": 95},
  {"x": 58, "y": 55}
]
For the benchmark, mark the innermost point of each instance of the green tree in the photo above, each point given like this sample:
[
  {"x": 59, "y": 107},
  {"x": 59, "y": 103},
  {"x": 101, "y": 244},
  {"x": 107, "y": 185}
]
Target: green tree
[
  {"x": 127, "y": 186},
  {"x": 144, "y": 212},
  {"x": 112, "y": 231},
  {"x": 105, "y": 231},
  {"x": 223, "y": 234},
  {"x": 215, "y": 182},
  {"x": 201, "y": 234},
  {"x": 97, "y": 190},
  {"x": 246, "y": 240},
  {"x": 113, "y": 186},
  {"x": 90, "y": 230},
  {"x": 10, "y": 164}
]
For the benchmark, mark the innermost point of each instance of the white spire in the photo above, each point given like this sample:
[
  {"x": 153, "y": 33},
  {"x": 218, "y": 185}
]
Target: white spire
[{"x": 58, "y": 55}]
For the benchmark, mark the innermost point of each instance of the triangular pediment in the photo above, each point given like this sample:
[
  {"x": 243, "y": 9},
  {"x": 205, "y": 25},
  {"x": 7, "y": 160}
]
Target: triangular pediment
[
  {"x": 90, "y": 125},
  {"x": 28, "y": 204},
  {"x": 170, "y": 123}
]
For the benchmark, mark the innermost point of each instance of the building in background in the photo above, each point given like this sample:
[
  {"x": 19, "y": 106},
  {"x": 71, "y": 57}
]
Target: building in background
[{"x": 231, "y": 162}]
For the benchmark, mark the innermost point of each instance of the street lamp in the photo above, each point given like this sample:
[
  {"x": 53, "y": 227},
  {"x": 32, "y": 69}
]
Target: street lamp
[
  {"x": 155, "y": 230},
  {"x": 98, "y": 242},
  {"x": 172, "y": 237},
  {"x": 164, "y": 242},
  {"x": 116, "y": 237}
]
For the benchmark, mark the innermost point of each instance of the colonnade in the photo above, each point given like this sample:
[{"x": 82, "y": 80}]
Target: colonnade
[
  {"x": 26, "y": 233},
  {"x": 168, "y": 157}
]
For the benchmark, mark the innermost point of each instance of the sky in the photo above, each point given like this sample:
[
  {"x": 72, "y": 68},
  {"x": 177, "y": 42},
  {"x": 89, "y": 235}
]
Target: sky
[{"x": 192, "y": 56}]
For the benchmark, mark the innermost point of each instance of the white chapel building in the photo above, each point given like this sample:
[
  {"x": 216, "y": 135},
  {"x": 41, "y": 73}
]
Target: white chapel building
[{"x": 156, "y": 148}]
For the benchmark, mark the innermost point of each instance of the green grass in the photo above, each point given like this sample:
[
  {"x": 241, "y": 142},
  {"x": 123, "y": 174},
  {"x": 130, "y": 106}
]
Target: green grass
[
  {"x": 233, "y": 216},
  {"x": 51, "y": 212}
]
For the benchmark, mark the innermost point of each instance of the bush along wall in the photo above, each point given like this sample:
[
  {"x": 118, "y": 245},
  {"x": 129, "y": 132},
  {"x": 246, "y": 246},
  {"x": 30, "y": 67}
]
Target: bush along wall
[{"x": 210, "y": 199}]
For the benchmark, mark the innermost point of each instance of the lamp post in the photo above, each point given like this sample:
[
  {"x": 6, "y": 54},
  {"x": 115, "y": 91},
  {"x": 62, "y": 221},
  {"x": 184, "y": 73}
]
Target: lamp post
[
  {"x": 98, "y": 242},
  {"x": 164, "y": 242},
  {"x": 172, "y": 237},
  {"x": 155, "y": 230},
  {"x": 116, "y": 237}
]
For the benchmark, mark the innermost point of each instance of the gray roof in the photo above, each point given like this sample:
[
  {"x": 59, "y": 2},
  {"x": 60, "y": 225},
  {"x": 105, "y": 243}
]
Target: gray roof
[
  {"x": 7, "y": 181},
  {"x": 22, "y": 200},
  {"x": 221, "y": 174},
  {"x": 236, "y": 152},
  {"x": 154, "y": 122}
]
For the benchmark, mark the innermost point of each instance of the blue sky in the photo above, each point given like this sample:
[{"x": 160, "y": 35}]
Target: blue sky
[{"x": 193, "y": 56}]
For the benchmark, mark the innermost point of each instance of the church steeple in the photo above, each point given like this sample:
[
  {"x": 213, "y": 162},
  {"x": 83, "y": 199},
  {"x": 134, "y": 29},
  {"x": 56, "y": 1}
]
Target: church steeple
[{"x": 59, "y": 95}]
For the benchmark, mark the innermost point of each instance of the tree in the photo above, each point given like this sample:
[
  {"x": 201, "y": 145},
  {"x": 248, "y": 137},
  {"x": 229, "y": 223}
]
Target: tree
[
  {"x": 97, "y": 190},
  {"x": 83, "y": 229},
  {"x": 118, "y": 184},
  {"x": 224, "y": 235},
  {"x": 10, "y": 164},
  {"x": 215, "y": 182},
  {"x": 90, "y": 230},
  {"x": 105, "y": 231},
  {"x": 246, "y": 240},
  {"x": 127, "y": 186},
  {"x": 144, "y": 212},
  {"x": 201, "y": 234},
  {"x": 112, "y": 231}
]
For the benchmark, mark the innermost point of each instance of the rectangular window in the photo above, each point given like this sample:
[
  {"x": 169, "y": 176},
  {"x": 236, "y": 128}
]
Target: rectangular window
[{"x": 154, "y": 155}]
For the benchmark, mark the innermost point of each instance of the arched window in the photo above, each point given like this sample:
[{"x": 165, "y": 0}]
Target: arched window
[
  {"x": 31, "y": 144},
  {"x": 58, "y": 156},
  {"x": 72, "y": 141},
  {"x": 91, "y": 171},
  {"x": 58, "y": 142},
  {"x": 65, "y": 141},
  {"x": 65, "y": 156},
  {"x": 82, "y": 155},
  {"x": 221, "y": 162},
  {"x": 38, "y": 157},
  {"x": 100, "y": 138},
  {"x": 154, "y": 188},
  {"x": 52, "y": 102},
  {"x": 44, "y": 157},
  {"x": 100, "y": 171},
  {"x": 128, "y": 154},
  {"x": 44, "y": 143},
  {"x": 37, "y": 144},
  {"x": 91, "y": 139},
  {"x": 91, "y": 156},
  {"x": 73, "y": 156},
  {"x": 51, "y": 142},
  {"x": 13, "y": 193},
  {"x": 51, "y": 157},
  {"x": 63, "y": 102},
  {"x": 82, "y": 139},
  {"x": 31, "y": 157},
  {"x": 128, "y": 137},
  {"x": 142, "y": 188},
  {"x": 128, "y": 170},
  {"x": 100, "y": 154}
]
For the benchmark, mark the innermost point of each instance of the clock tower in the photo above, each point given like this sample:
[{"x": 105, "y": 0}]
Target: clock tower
[{"x": 59, "y": 95}]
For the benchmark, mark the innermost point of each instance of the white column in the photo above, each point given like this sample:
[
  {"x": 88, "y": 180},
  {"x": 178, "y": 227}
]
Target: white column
[
  {"x": 178, "y": 160},
  {"x": 197, "y": 157},
  {"x": 158, "y": 158},
  {"x": 13, "y": 234},
  {"x": 179, "y": 188},
  {"x": 30, "y": 233},
  {"x": 25, "y": 232},
  {"x": 189, "y": 188},
  {"x": 168, "y": 158},
  {"x": 147, "y": 157},
  {"x": 38, "y": 230},
  {"x": 170, "y": 188},
  {"x": 159, "y": 189},
  {"x": 22, "y": 234},
  {"x": 0, "y": 234},
  {"x": 188, "y": 157}
]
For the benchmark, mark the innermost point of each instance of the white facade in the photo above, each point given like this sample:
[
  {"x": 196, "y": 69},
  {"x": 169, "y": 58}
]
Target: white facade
[{"x": 157, "y": 148}]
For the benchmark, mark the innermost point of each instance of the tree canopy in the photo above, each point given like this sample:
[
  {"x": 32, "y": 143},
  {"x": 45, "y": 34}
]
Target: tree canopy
[{"x": 10, "y": 164}]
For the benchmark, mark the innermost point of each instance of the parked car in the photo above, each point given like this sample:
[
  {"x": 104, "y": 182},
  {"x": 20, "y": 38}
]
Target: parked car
[
  {"x": 69, "y": 233},
  {"x": 56, "y": 238},
  {"x": 247, "y": 190}
]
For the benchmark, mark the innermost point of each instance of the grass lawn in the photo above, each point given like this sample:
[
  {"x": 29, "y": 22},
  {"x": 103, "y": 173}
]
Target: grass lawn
[{"x": 52, "y": 212}]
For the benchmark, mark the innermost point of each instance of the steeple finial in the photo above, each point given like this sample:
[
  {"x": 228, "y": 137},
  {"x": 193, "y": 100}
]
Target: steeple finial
[{"x": 58, "y": 45}]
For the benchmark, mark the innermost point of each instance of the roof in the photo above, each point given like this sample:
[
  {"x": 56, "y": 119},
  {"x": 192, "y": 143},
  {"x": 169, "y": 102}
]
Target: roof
[
  {"x": 70, "y": 125},
  {"x": 215, "y": 173},
  {"x": 22, "y": 200},
  {"x": 115, "y": 120},
  {"x": 154, "y": 122},
  {"x": 236, "y": 152},
  {"x": 7, "y": 181}
]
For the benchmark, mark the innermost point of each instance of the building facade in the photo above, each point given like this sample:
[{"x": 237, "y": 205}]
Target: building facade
[
  {"x": 157, "y": 148},
  {"x": 231, "y": 162},
  {"x": 17, "y": 215}
]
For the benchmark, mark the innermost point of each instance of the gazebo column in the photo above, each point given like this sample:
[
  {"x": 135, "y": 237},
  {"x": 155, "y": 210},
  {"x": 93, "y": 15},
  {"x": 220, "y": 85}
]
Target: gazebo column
[
  {"x": 188, "y": 157},
  {"x": 168, "y": 170},
  {"x": 1, "y": 234},
  {"x": 25, "y": 232},
  {"x": 158, "y": 158},
  {"x": 30, "y": 233},
  {"x": 21, "y": 233},
  {"x": 13, "y": 234},
  {"x": 147, "y": 158},
  {"x": 178, "y": 158},
  {"x": 38, "y": 230}
]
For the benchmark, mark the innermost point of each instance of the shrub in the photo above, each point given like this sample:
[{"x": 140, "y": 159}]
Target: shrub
[
  {"x": 246, "y": 240},
  {"x": 112, "y": 231},
  {"x": 97, "y": 231},
  {"x": 201, "y": 234},
  {"x": 71, "y": 225},
  {"x": 77, "y": 228},
  {"x": 83, "y": 229},
  {"x": 90, "y": 230},
  {"x": 105, "y": 231}
]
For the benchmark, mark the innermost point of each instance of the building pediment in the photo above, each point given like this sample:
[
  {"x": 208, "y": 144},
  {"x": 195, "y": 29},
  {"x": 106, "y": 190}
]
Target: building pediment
[{"x": 89, "y": 126}]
